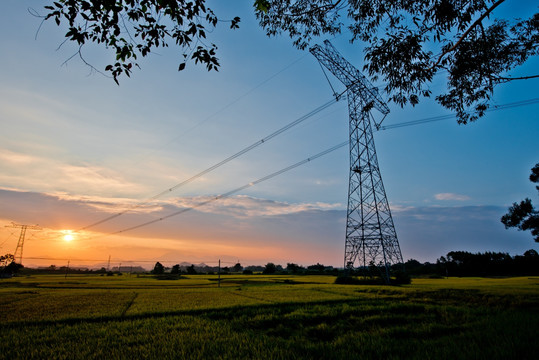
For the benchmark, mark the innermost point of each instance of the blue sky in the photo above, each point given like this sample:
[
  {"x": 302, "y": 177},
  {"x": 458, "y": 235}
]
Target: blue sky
[{"x": 75, "y": 148}]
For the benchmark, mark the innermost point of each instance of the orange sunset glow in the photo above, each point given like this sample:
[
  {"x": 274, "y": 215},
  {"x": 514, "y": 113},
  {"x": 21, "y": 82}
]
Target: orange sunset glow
[{"x": 175, "y": 166}]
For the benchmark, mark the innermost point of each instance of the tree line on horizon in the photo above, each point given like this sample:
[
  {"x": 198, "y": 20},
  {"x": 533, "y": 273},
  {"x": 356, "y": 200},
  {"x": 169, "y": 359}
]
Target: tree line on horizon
[
  {"x": 454, "y": 263},
  {"x": 464, "y": 263}
]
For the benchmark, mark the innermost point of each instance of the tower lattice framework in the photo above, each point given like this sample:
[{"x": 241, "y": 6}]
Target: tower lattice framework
[
  {"x": 17, "y": 255},
  {"x": 371, "y": 238}
]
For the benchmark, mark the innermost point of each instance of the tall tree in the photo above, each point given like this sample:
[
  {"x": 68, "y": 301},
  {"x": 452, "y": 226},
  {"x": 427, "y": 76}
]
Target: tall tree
[
  {"x": 408, "y": 42},
  {"x": 158, "y": 269},
  {"x": 138, "y": 27},
  {"x": 270, "y": 268},
  {"x": 8, "y": 264},
  {"x": 523, "y": 215},
  {"x": 237, "y": 267}
]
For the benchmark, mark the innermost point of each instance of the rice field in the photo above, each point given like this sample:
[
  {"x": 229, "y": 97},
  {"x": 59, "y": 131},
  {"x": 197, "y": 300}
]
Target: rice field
[{"x": 267, "y": 317}]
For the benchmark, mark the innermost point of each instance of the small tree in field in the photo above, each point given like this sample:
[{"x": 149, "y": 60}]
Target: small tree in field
[
  {"x": 175, "y": 269},
  {"x": 270, "y": 268},
  {"x": 158, "y": 269},
  {"x": 293, "y": 268},
  {"x": 8, "y": 264},
  {"x": 237, "y": 268},
  {"x": 191, "y": 270},
  {"x": 6, "y": 259}
]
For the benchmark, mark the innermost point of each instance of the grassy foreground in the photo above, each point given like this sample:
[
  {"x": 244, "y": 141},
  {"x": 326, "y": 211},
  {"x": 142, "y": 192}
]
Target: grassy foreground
[{"x": 267, "y": 317}]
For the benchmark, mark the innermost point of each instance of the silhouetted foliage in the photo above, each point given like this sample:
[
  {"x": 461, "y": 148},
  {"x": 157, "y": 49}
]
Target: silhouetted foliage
[
  {"x": 247, "y": 272},
  {"x": 524, "y": 216},
  {"x": 463, "y": 263},
  {"x": 409, "y": 42},
  {"x": 6, "y": 259},
  {"x": 191, "y": 270},
  {"x": 8, "y": 266},
  {"x": 158, "y": 269},
  {"x": 270, "y": 268},
  {"x": 255, "y": 268},
  {"x": 237, "y": 268},
  {"x": 175, "y": 269},
  {"x": 316, "y": 268},
  {"x": 138, "y": 27},
  {"x": 294, "y": 268},
  {"x": 401, "y": 278}
]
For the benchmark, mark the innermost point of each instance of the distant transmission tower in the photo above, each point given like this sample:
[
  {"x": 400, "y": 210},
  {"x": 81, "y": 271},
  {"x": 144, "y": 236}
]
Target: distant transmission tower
[
  {"x": 371, "y": 239},
  {"x": 20, "y": 243}
]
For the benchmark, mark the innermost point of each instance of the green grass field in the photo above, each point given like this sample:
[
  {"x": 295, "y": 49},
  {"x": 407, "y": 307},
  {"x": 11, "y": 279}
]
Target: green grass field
[{"x": 267, "y": 317}]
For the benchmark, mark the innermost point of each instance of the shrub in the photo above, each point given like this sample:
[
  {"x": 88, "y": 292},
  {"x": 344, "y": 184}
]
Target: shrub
[{"x": 401, "y": 278}]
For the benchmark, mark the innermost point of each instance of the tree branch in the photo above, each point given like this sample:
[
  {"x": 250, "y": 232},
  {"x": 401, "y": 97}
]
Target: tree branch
[
  {"x": 516, "y": 78},
  {"x": 476, "y": 22},
  {"x": 321, "y": 8}
]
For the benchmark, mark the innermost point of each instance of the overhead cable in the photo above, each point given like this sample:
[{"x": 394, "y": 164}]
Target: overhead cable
[
  {"x": 236, "y": 100},
  {"x": 227, "y": 194},
  {"x": 120, "y": 260},
  {"x": 219, "y": 164},
  {"x": 287, "y": 127},
  {"x": 452, "y": 116}
]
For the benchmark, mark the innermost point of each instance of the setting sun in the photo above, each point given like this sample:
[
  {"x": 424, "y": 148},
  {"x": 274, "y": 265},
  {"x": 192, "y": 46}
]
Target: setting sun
[{"x": 68, "y": 236}]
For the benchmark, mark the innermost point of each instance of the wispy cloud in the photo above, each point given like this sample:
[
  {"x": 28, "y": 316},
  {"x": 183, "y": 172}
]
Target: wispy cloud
[
  {"x": 112, "y": 204},
  {"x": 44, "y": 174},
  {"x": 246, "y": 206},
  {"x": 253, "y": 229},
  {"x": 451, "y": 196}
]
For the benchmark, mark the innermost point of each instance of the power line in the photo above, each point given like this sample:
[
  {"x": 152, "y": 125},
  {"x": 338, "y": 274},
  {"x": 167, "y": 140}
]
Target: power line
[
  {"x": 219, "y": 164},
  {"x": 287, "y": 127},
  {"x": 227, "y": 194},
  {"x": 271, "y": 77},
  {"x": 122, "y": 260},
  {"x": 279, "y": 172},
  {"x": 452, "y": 116},
  {"x": 235, "y": 101},
  {"x": 207, "y": 118}
]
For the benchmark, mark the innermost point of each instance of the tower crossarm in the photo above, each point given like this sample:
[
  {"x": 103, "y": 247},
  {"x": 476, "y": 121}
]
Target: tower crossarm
[
  {"x": 351, "y": 77},
  {"x": 15, "y": 225}
]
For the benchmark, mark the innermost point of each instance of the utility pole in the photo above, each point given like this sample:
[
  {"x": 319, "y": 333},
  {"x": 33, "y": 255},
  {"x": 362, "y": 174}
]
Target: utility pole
[
  {"x": 67, "y": 269},
  {"x": 20, "y": 243},
  {"x": 371, "y": 239}
]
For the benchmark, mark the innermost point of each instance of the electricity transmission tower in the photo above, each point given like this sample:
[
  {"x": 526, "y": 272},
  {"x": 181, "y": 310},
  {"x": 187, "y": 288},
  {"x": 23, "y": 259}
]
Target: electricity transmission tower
[
  {"x": 371, "y": 239},
  {"x": 20, "y": 243}
]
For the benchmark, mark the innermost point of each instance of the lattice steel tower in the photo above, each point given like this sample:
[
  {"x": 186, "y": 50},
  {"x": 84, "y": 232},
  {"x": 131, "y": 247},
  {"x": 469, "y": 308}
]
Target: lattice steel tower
[
  {"x": 17, "y": 255},
  {"x": 370, "y": 234}
]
